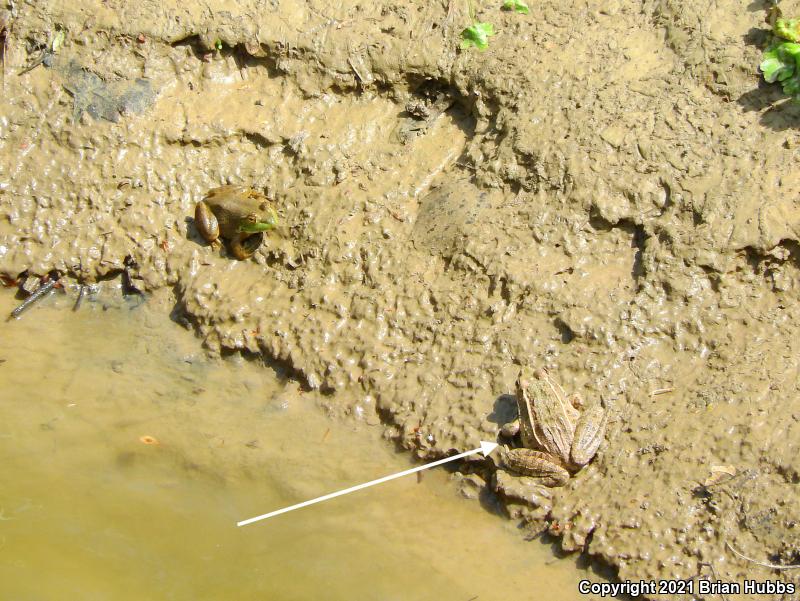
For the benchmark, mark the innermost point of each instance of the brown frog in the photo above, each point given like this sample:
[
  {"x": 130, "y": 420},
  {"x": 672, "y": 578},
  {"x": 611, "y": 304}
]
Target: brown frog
[
  {"x": 559, "y": 436},
  {"x": 236, "y": 214}
]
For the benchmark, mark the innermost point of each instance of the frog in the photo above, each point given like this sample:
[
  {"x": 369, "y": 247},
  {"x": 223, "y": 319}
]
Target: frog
[
  {"x": 236, "y": 214},
  {"x": 559, "y": 434}
]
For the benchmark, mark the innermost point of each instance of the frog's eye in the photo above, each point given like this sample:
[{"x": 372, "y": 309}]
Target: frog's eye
[{"x": 252, "y": 218}]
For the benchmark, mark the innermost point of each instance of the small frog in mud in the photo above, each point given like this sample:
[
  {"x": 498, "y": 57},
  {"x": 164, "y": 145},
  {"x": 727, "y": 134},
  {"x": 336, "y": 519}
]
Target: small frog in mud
[
  {"x": 559, "y": 436},
  {"x": 237, "y": 214}
]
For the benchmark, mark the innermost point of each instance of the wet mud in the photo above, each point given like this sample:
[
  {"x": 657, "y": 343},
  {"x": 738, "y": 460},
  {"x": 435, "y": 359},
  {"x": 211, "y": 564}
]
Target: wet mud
[
  {"x": 609, "y": 195},
  {"x": 156, "y": 451}
]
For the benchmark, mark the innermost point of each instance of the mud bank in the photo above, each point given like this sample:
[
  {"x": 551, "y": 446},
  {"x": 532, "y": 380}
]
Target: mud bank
[{"x": 611, "y": 195}]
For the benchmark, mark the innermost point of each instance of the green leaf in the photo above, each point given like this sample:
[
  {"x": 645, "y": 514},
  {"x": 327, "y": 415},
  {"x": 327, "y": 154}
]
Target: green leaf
[
  {"x": 791, "y": 86},
  {"x": 780, "y": 62},
  {"x": 773, "y": 68},
  {"x": 58, "y": 40},
  {"x": 516, "y": 5},
  {"x": 477, "y": 35},
  {"x": 788, "y": 29}
]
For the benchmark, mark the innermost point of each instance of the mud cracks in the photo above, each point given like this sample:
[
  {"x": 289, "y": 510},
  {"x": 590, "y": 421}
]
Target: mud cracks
[{"x": 614, "y": 211}]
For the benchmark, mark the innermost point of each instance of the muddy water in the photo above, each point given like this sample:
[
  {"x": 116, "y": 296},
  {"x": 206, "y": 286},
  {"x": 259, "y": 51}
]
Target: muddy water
[{"x": 90, "y": 510}]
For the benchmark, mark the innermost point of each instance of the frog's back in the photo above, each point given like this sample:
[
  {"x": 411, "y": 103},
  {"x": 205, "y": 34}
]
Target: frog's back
[{"x": 230, "y": 204}]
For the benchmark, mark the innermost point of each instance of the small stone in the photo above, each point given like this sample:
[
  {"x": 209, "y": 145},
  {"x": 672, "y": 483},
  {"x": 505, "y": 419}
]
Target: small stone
[{"x": 31, "y": 284}]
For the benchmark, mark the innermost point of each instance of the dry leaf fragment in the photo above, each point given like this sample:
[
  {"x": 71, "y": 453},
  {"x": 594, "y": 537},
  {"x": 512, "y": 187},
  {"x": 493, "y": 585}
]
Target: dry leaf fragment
[{"x": 720, "y": 473}]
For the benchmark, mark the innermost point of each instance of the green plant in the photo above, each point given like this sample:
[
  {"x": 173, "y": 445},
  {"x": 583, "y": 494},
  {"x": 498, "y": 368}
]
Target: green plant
[
  {"x": 516, "y": 5},
  {"x": 58, "y": 40},
  {"x": 788, "y": 29},
  {"x": 477, "y": 34},
  {"x": 218, "y": 44},
  {"x": 781, "y": 60}
]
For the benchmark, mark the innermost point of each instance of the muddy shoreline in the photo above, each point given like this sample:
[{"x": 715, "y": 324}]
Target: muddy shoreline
[
  {"x": 610, "y": 196},
  {"x": 143, "y": 434}
]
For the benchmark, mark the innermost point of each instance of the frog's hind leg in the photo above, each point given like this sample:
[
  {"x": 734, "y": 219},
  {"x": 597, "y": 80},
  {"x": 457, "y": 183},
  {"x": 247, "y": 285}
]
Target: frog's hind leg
[
  {"x": 206, "y": 224},
  {"x": 589, "y": 434},
  {"x": 244, "y": 246},
  {"x": 543, "y": 467}
]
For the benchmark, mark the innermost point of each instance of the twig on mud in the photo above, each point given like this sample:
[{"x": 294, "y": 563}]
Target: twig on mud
[
  {"x": 714, "y": 574},
  {"x": 81, "y": 293},
  {"x": 38, "y": 294},
  {"x": 35, "y": 63},
  {"x": 772, "y": 566},
  {"x": 5, "y": 25},
  {"x": 658, "y": 391},
  {"x": 395, "y": 215}
]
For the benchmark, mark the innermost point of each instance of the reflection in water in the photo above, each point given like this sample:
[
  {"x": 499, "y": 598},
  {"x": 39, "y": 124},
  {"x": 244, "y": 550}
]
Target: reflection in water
[{"x": 128, "y": 456}]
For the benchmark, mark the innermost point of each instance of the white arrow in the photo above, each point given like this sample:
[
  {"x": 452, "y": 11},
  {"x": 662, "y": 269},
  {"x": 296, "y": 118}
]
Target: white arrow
[{"x": 485, "y": 448}]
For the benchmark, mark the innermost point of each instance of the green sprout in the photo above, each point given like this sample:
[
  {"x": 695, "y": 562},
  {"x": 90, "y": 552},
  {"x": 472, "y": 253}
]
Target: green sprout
[
  {"x": 788, "y": 29},
  {"x": 58, "y": 40},
  {"x": 477, "y": 34},
  {"x": 218, "y": 44},
  {"x": 516, "y": 5},
  {"x": 781, "y": 60}
]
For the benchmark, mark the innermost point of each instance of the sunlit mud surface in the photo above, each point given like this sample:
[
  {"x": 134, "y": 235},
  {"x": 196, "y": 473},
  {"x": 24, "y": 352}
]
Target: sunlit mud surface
[{"x": 129, "y": 456}]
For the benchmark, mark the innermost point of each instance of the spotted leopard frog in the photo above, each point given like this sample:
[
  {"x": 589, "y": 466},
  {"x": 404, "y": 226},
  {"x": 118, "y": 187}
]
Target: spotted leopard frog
[{"x": 559, "y": 436}]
